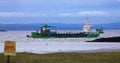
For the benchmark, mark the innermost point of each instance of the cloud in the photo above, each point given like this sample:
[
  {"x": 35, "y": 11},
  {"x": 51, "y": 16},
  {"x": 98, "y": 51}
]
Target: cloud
[
  {"x": 84, "y": 13},
  {"x": 65, "y": 14},
  {"x": 50, "y": 15},
  {"x": 94, "y": 13},
  {"x": 118, "y": 0},
  {"x": 58, "y": 3},
  {"x": 21, "y": 14},
  {"x": 3, "y": 2}
]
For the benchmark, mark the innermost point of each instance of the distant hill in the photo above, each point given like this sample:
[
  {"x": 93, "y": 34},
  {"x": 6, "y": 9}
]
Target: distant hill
[
  {"x": 58, "y": 26},
  {"x": 112, "y": 25}
]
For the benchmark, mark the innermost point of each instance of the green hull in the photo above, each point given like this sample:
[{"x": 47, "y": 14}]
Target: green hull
[
  {"x": 35, "y": 35},
  {"x": 62, "y": 37},
  {"x": 92, "y": 35}
]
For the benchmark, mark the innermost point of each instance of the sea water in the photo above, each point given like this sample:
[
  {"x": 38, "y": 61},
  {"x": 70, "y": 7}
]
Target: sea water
[{"x": 40, "y": 45}]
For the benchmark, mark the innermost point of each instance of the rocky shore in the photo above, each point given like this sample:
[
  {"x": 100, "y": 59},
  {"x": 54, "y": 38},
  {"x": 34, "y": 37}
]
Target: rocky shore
[{"x": 109, "y": 39}]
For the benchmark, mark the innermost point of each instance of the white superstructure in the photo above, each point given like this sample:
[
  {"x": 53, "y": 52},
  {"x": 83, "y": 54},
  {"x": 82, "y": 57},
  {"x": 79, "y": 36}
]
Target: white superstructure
[{"x": 87, "y": 27}]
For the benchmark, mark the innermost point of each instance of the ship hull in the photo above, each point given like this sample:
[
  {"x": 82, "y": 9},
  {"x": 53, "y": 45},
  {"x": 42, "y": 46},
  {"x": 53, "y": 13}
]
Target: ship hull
[{"x": 77, "y": 35}]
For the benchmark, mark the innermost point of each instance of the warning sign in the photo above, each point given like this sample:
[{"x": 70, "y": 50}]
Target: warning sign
[{"x": 10, "y": 48}]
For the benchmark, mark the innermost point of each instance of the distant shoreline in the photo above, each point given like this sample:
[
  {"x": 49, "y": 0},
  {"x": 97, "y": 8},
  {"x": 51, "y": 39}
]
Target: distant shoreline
[{"x": 109, "y": 39}]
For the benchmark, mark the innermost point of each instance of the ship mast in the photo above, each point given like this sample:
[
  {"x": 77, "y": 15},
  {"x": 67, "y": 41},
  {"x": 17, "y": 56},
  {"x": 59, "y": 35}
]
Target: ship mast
[{"x": 87, "y": 27}]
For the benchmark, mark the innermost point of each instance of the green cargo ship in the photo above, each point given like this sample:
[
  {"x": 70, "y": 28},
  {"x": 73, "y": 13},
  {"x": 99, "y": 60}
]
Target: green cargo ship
[{"x": 87, "y": 32}]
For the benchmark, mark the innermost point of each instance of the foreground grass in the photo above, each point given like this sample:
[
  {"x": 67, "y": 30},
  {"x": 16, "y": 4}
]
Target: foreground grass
[{"x": 109, "y": 57}]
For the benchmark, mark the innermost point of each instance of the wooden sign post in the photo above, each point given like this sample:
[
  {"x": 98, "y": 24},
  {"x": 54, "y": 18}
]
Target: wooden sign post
[{"x": 9, "y": 49}]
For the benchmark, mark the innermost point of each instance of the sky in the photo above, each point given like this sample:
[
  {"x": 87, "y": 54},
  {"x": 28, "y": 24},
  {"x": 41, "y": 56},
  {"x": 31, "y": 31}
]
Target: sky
[{"x": 59, "y": 11}]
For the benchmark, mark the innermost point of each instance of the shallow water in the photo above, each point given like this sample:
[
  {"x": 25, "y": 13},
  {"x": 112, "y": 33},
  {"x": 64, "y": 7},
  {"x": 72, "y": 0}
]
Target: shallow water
[{"x": 48, "y": 45}]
